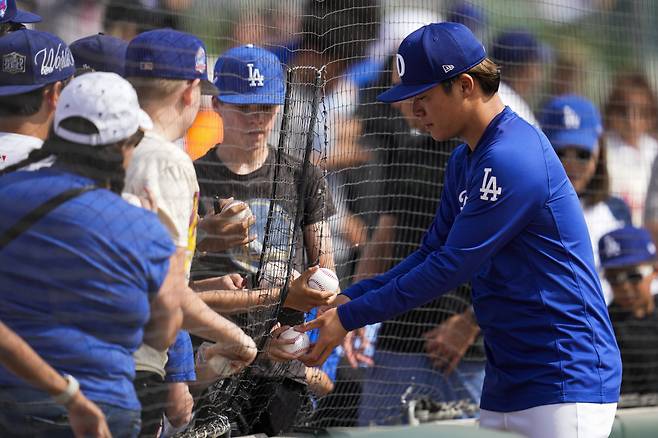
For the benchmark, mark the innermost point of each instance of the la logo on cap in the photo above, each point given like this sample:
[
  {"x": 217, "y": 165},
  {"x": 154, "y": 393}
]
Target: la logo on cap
[
  {"x": 571, "y": 118},
  {"x": 611, "y": 247},
  {"x": 255, "y": 78}
]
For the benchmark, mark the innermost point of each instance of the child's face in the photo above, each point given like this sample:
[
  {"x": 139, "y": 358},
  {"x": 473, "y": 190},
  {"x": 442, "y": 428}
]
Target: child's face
[
  {"x": 631, "y": 287},
  {"x": 248, "y": 126}
]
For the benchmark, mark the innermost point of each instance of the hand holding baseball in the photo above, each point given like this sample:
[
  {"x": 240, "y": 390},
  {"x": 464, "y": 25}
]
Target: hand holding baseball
[
  {"x": 331, "y": 335},
  {"x": 286, "y": 344},
  {"x": 315, "y": 287},
  {"x": 228, "y": 228}
]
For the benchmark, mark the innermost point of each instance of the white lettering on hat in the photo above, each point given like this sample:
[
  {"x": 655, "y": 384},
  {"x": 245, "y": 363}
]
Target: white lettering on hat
[
  {"x": 401, "y": 65},
  {"x": 255, "y": 78},
  {"x": 447, "y": 67},
  {"x": 571, "y": 118},
  {"x": 611, "y": 247},
  {"x": 13, "y": 63},
  {"x": 50, "y": 60}
]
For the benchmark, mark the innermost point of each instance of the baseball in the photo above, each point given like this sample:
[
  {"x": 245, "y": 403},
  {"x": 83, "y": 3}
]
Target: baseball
[
  {"x": 241, "y": 215},
  {"x": 301, "y": 341},
  {"x": 323, "y": 279},
  {"x": 273, "y": 274}
]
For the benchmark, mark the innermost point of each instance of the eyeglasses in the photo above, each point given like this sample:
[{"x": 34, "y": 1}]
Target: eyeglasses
[
  {"x": 633, "y": 276},
  {"x": 581, "y": 154}
]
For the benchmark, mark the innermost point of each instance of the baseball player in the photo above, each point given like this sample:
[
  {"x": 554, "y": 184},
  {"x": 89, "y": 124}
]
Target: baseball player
[{"x": 511, "y": 223}]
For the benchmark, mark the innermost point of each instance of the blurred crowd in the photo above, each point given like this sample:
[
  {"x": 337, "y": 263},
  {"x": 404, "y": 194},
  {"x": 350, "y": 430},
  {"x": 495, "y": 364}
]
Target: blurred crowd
[{"x": 171, "y": 235}]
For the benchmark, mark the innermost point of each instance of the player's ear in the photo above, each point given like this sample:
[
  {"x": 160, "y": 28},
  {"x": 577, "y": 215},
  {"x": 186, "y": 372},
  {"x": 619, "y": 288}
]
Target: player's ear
[
  {"x": 51, "y": 95},
  {"x": 466, "y": 84},
  {"x": 190, "y": 90}
]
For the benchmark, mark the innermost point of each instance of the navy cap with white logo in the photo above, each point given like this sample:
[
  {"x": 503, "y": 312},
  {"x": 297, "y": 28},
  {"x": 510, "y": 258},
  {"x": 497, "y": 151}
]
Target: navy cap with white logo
[
  {"x": 431, "y": 55},
  {"x": 32, "y": 59},
  {"x": 100, "y": 53},
  {"x": 250, "y": 75},
  {"x": 626, "y": 247},
  {"x": 9, "y": 13},
  {"x": 169, "y": 54}
]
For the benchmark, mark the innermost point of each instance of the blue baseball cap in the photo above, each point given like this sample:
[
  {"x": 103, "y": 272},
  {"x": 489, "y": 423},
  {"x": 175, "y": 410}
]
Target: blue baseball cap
[
  {"x": 250, "y": 75},
  {"x": 516, "y": 47},
  {"x": 431, "y": 55},
  {"x": 100, "y": 53},
  {"x": 32, "y": 59},
  {"x": 571, "y": 120},
  {"x": 625, "y": 247},
  {"x": 9, "y": 13},
  {"x": 169, "y": 54}
]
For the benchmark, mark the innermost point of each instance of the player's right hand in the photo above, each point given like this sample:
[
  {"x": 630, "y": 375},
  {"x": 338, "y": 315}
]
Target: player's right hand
[
  {"x": 222, "y": 231},
  {"x": 86, "y": 419},
  {"x": 331, "y": 335},
  {"x": 303, "y": 298},
  {"x": 275, "y": 345}
]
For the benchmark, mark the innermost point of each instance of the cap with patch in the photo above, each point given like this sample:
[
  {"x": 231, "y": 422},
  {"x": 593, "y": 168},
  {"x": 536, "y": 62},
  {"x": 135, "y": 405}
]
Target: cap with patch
[
  {"x": 571, "y": 121},
  {"x": 9, "y": 13},
  {"x": 32, "y": 59},
  {"x": 626, "y": 247},
  {"x": 431, "y": 55},
  {"x": 169, "y": 54},
  {"x": 106, "y": 100},
  {"x": 250, "y": 75},
  {"x": 100, "y": 53}
]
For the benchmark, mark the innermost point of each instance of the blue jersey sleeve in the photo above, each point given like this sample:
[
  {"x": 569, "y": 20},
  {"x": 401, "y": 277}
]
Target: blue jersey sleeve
[
  {"x": 432, "y": 240},
  {"x": 503, "y": 194},
  {"x": 180, "y": 363}
]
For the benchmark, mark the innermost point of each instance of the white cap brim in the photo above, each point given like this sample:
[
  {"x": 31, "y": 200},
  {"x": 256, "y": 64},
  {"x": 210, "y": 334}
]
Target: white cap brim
[{"x": 144, "y": 121}]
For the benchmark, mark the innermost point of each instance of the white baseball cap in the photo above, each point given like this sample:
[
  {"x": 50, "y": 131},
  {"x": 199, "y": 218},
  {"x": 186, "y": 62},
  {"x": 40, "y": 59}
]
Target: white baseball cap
[{"x": 106, "y": 100}]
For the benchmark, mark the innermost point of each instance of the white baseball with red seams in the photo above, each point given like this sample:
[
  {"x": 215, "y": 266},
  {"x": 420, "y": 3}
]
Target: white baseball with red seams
[
  {"x": 301, "y": 341},
  {"x": 242, "y": 214},
  {"x": 323, "y": 279}
]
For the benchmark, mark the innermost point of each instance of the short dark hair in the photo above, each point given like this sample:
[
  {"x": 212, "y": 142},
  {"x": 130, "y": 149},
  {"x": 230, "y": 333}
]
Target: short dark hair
[
  {"x": 486, "y": 73},
  {"x": 340, "y": 29},
  {"x": 22, "y": 105}
]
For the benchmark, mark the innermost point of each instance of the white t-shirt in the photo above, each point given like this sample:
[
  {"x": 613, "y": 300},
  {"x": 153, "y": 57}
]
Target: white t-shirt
[
  {"x": 512, "y": 99},
  {"x": 630, "y": 171},
  {"x": 15, "y": 148}
]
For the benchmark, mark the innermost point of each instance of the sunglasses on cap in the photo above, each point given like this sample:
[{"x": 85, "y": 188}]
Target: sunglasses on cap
[
  {"x": 581, "y": 154},
  {"x": 633, "y": 276}
]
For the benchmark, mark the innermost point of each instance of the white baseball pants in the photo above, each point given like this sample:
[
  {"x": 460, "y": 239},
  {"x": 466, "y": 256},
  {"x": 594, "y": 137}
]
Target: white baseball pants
[{"x": 564, "y": 420}]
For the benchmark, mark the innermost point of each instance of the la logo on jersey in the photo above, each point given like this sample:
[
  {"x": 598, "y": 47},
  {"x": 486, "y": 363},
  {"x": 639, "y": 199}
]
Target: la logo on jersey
[
  {"x": 489, "y": 187},
  {"x": 255, "y": 78}
]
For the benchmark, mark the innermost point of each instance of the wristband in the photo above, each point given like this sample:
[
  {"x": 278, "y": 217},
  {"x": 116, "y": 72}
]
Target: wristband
[{"x": 72, "y": 388}]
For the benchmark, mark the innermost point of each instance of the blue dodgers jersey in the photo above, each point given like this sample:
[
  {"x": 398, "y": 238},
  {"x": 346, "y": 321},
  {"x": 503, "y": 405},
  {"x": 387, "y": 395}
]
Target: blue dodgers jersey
[
  {"x": 76, "y": 285},
  {"x": 510, "y": 221}
]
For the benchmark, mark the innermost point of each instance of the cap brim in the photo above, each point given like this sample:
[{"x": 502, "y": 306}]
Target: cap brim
[
  {"x": 144, "y": 120},
  {"x": 627, "y": 260},
  {"x": 403, "y": 92},
  {"x": 575, "y": 137},
  {"x": 251, "y": 99},
  {"x": 12, "y": 90},
  {"x": 208, "y": 88},
  {"x": 26, "y": 17}
]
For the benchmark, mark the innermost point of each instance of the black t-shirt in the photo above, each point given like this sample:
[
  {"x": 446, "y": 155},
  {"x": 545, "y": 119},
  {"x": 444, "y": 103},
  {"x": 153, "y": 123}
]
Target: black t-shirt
[
  {"x": 638, "y": 342},
  {"x": 255, "y": 189},
  {"x": 415, "y": 166}
]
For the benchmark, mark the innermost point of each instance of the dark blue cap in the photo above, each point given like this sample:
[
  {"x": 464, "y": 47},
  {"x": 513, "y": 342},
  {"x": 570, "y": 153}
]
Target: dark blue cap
[
  {"x": 169, "y": 54},
  {"x": 9, "y": 13},
  {"x": 571, "y": 120},
  {"x": 248, "y": 75},
  {"x": 516, "y": 47},
  {"x": 431, "y": 55},
  {"x": 32, "y": 59},
  {"x": 100, "y": 53},
  {"x": 469, "y": 15},
  {"x": 626, "y": 247}
]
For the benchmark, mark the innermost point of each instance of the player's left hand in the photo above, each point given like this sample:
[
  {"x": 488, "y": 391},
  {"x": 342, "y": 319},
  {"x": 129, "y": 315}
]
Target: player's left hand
[
  {"x": 331, "y": 335},
  {"x": 275, "y": 345},
  {"x": 447, "y": 343}
]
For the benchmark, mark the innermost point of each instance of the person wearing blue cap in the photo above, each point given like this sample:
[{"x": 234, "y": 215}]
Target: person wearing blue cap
[
  {"x": 12, "y": 18},
  {"x": 99, "y": 53},
  {"x": 628, "y": 256},
  {"x": 168, "y": 69},
  {"x": 35, "y": 67},
  {"x": 519, "y": 55},
  {"x": 511, "y": 223},
  {"x": 252, "y": 87},
  {"x": 573, "y": 126}
]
